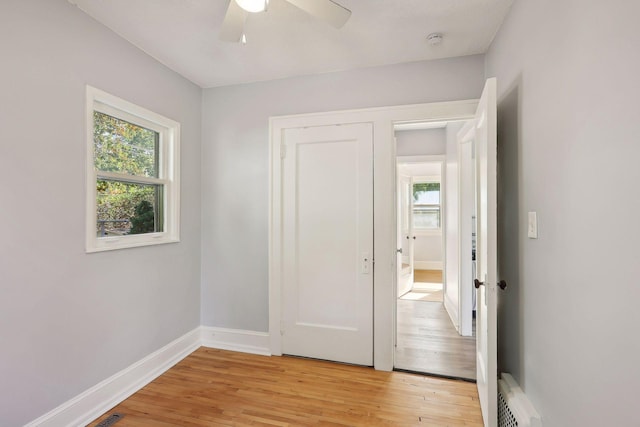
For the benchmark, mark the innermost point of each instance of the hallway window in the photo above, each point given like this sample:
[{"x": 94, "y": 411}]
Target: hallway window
[
  {"x": 132, "y": 175},
  {"x": 426, "y": 205}
]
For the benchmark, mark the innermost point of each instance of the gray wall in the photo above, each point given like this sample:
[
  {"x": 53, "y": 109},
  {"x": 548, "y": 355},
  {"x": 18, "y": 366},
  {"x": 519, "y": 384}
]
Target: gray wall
[
  {"x": 235, "y": 172},
  {"x": 68, "y": 320},
  {"x": 568, "y": 149}
]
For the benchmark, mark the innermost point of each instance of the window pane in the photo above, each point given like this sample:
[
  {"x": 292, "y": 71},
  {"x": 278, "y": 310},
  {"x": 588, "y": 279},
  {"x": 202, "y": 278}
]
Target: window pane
[
  {"x": 426, "y": 193},
  {"x": 426, "y": 217},
  {"x": 426, "y": 205},
  {"x": 123, "y": 147},
  {"x": 128, "y": 208}
]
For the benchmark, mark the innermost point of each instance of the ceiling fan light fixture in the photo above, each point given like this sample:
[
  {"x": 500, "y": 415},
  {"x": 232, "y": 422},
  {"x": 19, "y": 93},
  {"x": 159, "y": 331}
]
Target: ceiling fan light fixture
[{"x": 253, "y": 6}]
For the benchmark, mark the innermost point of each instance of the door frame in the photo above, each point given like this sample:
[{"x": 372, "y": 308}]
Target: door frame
[
  {"x": 466, "y": 203},
  {"x": 384, "y": 166},
  {"x": 441, "y": 160},
  {"x": 401, "y": 204}
]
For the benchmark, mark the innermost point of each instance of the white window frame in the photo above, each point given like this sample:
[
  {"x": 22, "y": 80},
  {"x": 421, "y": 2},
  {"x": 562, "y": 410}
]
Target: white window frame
[
  {"x": 436, "y": 179},
  {"x": 168, "y": 173}
]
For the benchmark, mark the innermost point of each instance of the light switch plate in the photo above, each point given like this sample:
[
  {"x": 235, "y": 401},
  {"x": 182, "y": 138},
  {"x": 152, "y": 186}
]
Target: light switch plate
[{"x": 532, "y": 227}]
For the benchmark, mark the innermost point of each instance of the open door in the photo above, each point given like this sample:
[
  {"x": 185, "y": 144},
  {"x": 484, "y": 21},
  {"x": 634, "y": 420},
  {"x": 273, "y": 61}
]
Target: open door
[
  {"x": 404, "y": 234},
  {"x": 466, "y": 227},
  {"x": 481, "y": 133}
]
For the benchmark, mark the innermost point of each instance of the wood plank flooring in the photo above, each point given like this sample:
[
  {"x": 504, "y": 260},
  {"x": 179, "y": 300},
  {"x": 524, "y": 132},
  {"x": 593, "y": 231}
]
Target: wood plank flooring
[
  {"x": 427, "y": 286},
  {"x": 427, "y": 276},
  {"x": 428, "y": 342},
  {"x": 222, "y": 388}
]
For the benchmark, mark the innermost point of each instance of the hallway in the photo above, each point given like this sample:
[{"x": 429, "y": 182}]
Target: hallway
[{"x": 428, "y": 342}]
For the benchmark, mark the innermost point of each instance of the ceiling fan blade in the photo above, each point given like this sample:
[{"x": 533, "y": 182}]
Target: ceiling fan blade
[
  {"x": 327, "y": 10},
  {"x": 233, "y": 24}
]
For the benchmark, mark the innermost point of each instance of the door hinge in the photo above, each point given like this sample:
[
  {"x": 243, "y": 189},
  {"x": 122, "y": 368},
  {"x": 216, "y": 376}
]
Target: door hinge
[
  {"x": 283, "y": 151},
  {"x": 282, "y": 327}
]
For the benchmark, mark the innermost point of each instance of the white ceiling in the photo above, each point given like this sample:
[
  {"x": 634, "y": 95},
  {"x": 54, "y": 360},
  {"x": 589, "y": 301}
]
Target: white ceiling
[{"x": 285, "y": 41}]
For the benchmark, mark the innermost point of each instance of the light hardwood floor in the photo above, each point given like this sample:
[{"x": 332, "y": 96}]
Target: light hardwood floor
[
  {"x": 221, "y": 388},
  {"x": 428, "y": 342},
  {"x": 427, "y": 276}
]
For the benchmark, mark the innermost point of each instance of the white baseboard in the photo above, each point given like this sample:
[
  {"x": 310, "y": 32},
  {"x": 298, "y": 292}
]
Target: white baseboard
[
  {"x": 452, "y": 311},
  {"x": 427, "y": 265},
  {"x": 97, "y": 400},
  {"x": 236, "y": 340}
]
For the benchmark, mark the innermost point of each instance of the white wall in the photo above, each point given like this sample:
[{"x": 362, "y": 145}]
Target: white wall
[
  {"x": 422, "y": 142},
  {"x": 68, "y": 320},
  {"x": 427, "y": 251},
  {"x": 235, "y": 166},
  {"x": 568, "y": 148}
]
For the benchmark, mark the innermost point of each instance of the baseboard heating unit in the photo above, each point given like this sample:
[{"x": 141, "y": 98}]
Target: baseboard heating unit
[{"x": 514, "y": 409}]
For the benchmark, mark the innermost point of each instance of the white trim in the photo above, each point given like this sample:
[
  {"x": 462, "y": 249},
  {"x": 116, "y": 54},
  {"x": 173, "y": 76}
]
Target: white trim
[
  {"x": 427, "y": 265},
  {"x": 430, "y": 232},
  {"x": 452, "y": 311},
  {"x": 169, "y": 171},
  {"x": 422, "y": 179},
  {"x": 383, "y": 120},
  {"x": 518, "y": 403},
  {"x": 113, "y": 176},
  {"x": 92, "y": 403},
  {"x": 236, "y": 340},
  {"x": 406, "y": 160},
  {"x": 466, "y": 199}
]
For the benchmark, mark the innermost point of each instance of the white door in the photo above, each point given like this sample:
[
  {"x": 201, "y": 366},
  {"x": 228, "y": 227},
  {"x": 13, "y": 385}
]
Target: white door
[
  {"x": 482, "y": 132},
  {"x": 466, "y": 226},
  {"x": 327, "y": 299},
  {"x": 404, "y": 233}
]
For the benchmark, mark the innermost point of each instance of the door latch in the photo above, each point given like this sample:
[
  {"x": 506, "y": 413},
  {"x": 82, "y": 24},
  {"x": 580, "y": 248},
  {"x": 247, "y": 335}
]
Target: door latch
[{"x": 365, "y": 263}]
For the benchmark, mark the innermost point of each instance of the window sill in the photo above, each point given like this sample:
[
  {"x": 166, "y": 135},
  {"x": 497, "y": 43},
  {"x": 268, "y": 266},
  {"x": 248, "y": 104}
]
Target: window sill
[{"x": 123, "y": 242}]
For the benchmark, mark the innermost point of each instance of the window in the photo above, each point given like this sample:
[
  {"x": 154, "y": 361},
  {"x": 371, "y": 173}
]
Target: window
[
  {"x": 132, "y": 175},
  {"x": 426, "y": 206}
]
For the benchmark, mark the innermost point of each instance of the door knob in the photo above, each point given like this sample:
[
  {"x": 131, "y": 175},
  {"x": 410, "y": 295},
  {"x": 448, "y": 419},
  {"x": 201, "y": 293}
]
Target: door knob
[
  {"x": 501, "y": 284},
  {"x": 399, "y": 250}
]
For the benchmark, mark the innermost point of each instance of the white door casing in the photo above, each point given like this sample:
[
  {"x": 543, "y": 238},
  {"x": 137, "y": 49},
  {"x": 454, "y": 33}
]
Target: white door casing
[
  {"x": 405, "y": 243},
  {"x": 482, "y": 132},
  {"x": 385, "y": 235},
  {"x": 327, "y": 310},
  {"x": 466, "y": 215}
]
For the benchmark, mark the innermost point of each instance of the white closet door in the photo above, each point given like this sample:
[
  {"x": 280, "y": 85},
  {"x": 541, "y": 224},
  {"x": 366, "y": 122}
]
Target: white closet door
[{"x": 327, "y": 303}]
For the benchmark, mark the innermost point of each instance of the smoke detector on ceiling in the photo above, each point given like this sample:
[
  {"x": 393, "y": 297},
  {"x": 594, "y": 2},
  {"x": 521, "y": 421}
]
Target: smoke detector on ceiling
[{"x": 434, "y": 38}]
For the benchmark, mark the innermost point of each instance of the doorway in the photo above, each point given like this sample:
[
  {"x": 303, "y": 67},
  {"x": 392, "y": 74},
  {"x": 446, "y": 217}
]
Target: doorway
[
  {"x": 384, "y": 260},
  {"x": 428, "y": 337},
  {"x": 479, "y": 131}
]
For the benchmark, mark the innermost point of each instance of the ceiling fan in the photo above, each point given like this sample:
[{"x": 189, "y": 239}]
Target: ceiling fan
[{"x": 233, "y": 25}]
